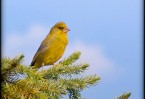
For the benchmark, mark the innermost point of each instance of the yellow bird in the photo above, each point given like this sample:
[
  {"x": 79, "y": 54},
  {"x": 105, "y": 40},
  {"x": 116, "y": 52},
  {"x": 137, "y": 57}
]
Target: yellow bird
[{"x": 52, "y": 47}]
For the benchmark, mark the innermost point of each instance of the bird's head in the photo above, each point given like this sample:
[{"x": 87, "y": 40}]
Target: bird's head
[{"x": 60, "y": 27}]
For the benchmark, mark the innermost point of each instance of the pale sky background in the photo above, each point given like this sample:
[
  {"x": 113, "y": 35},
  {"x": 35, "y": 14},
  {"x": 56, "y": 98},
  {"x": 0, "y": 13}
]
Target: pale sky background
[{"x": 109, "y": 34}]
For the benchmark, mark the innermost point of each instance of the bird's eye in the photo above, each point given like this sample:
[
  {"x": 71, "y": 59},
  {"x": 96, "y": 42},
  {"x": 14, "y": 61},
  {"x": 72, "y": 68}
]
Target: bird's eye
[{"x": 61, "y": 28}]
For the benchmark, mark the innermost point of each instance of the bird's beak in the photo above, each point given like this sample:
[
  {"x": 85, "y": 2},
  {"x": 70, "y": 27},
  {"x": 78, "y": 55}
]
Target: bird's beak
[{"x": 66, "y": 30}]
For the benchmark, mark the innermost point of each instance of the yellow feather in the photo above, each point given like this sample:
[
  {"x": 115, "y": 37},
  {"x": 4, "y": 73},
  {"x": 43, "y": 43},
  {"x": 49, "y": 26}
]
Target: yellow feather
[{"x": 52, "y": 47}]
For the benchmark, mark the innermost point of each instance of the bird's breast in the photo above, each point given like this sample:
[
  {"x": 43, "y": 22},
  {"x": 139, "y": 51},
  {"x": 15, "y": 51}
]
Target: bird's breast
[
  {"x": 55, "y": 49},
  {"x": 63, "y": 39}
]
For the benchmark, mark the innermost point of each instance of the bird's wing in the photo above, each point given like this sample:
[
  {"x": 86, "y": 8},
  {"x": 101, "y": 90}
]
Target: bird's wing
[
  {"x": 42, "y": 47},
  {"x": 37, "y": 54}
]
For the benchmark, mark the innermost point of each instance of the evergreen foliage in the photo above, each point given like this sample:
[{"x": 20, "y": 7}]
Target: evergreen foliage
[
  {"x": 126, "y": 95},
  {"x": 22, "y": 82}
]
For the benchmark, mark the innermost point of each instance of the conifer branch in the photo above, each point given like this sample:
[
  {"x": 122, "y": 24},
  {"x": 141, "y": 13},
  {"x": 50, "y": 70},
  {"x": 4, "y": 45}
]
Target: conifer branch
[
  {"x": 80, "y": 83},
  {"x": 126, "y": 95},
  {"x": 9, "y": 67},
  {"x": 71, "y": 59},
  {"x": 22, "y": 82},
  {"x": 61, "y": 70}
]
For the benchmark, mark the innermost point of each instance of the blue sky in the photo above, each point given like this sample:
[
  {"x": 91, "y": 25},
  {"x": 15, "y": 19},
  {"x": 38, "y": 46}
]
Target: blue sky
[{"x": 109, "y": 33}]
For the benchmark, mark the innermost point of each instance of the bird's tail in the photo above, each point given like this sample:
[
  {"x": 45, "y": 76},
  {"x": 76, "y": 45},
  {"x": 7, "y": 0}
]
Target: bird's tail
[
  {"x": 33, "y": 67},
  {"x": 32, "y": 64}
]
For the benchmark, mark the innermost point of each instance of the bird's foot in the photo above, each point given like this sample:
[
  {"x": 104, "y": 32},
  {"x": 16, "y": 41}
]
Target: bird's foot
[{"x": 42, "y": 65}]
